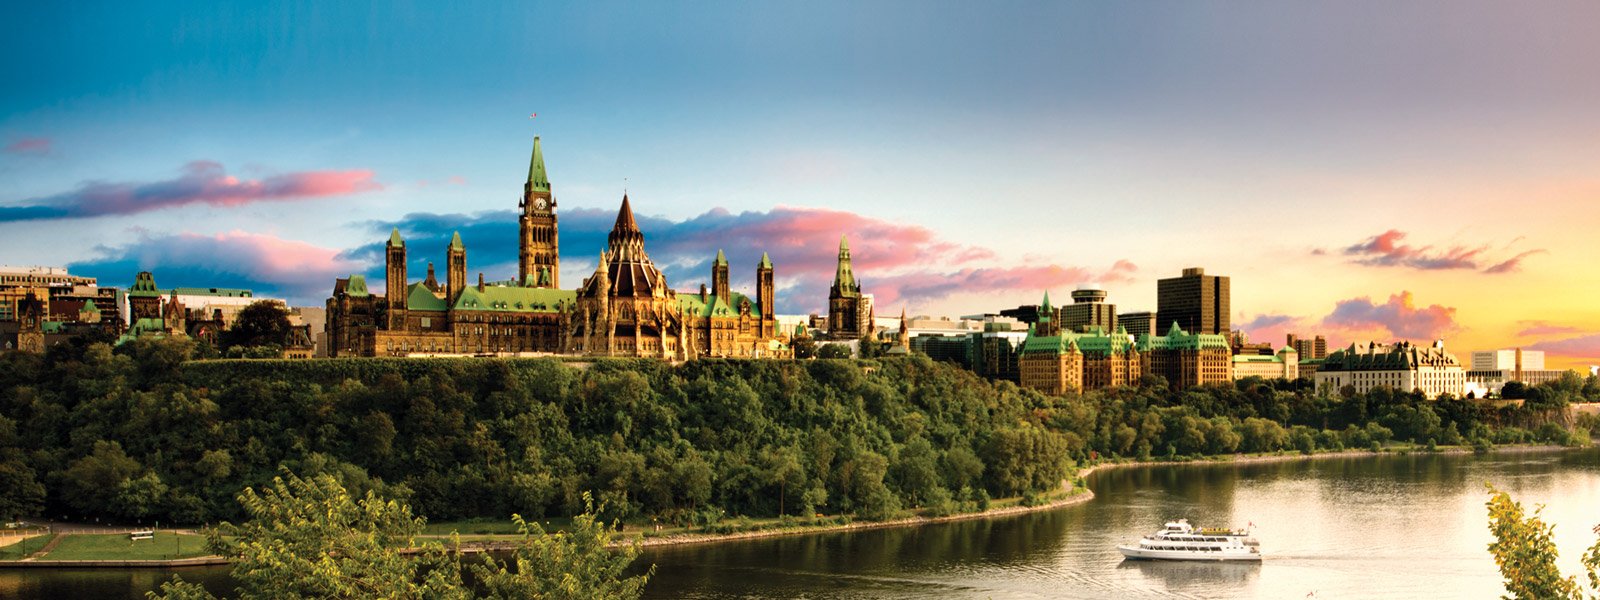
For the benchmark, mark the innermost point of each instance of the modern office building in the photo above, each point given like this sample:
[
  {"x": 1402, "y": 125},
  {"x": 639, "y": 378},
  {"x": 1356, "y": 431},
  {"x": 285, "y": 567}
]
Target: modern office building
[
  {"x": 66, "y": 298},
  {"x": 1493, "y": 369},
  {"x": 1138, "y": 323},
  {"x": 1309, "y": 348},
  {"x": 1089, "y": 310},
  {"x": 1197, "y": 302}
]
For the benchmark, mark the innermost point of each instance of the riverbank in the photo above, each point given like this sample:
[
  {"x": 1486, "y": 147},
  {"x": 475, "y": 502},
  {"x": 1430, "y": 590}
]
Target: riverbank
[{"x": 1072, "y": 493}]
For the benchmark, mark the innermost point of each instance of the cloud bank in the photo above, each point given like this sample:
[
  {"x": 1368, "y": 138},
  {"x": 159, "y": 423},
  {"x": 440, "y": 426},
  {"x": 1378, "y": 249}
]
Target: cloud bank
[
  {"x": 201, "y": 182},
  {"x": 1360, "y": 320},
  {"x": 271, "y": 266},
  {"x": 1388, "y": 249}
]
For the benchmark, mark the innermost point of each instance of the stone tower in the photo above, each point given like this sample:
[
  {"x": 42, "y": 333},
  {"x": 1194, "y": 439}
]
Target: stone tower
[
  {"x": 844, "y": 299},
  {"x": 455, "y": 274},
  {"x": 766, "y": 296},
  {"x": 395, "y": 280},
  {"x": 539, "y": 263},
  {"x": 719, "y": 278}
]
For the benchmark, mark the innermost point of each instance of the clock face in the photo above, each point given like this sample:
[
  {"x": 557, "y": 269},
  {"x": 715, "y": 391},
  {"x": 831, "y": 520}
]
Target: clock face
[{"x": 540, "y": 204}]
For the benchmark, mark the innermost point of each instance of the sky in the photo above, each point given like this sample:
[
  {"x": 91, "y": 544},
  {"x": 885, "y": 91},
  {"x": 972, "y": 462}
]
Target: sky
[{"x": 1365, "y": 170}]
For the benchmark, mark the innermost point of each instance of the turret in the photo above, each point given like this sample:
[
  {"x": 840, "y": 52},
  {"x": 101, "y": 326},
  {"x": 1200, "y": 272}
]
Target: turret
[
  {"x": 538, "y": 257},
  {"x": 395, "y": 280},
  {"x": 719, "y": 278},
  {"x": 455, "y": 269},
  {"x": 764, "y": 289}
]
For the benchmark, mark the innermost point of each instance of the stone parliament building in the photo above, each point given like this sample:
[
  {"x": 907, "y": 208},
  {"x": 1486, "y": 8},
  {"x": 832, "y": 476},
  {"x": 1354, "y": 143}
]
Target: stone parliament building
[{"x": 626, "y": 308}]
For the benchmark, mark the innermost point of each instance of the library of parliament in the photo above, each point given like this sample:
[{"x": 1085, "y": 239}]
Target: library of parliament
[{"x": 626, "y": 308}]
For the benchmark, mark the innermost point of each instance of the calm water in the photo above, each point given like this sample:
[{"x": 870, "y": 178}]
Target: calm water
[{"x": 1389, "y": 527}]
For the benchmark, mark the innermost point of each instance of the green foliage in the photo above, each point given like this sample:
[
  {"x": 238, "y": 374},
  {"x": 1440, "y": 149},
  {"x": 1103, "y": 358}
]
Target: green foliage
[
  {"x": 1526, "y": 554},
  {"x": 262, "y": 324},
  {"x": 144, "y": 433},
  {"x": 574, "y": 564},
  {"x": 833, "y": 351},
  {"x": 308, "y": 538}
]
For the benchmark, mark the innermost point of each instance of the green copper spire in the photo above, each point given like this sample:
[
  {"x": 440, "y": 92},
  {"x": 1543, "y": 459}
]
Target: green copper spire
[
  {"x": 766, "y": 263},
  {"x": 455, "y": 242},
  {"x": 394, "y": 238},
  {"x": 1045, "y": 306},
  {"x": 721, "y": 260},
  {"x": 537, "y": 178},
  {"x": 844, "y": 280}
]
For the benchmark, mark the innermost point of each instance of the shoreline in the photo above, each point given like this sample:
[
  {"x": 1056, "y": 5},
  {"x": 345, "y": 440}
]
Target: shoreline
[{"x": 1080, "y": 496}]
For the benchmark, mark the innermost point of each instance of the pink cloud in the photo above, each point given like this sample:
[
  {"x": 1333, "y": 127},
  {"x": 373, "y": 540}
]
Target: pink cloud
[
  {"x": 1542, "y": 329},
  {"x": 270, "y": 265},
  {"x": 457, "y": 180},
  {"x": 201, "y": 182},
  {"x": 32, "y": 145},
  {"x": 1360, "y": 320},
  {"x": 1586, "y": 347},
  {"x": 1512, "y": 264},
  {"x": 1399, "y": 317},
  {"x": 1387, "y": 250}
]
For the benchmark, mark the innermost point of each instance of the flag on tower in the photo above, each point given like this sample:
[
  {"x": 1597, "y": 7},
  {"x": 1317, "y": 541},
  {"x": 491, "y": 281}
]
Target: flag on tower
[{"x": 532, "y": 115}]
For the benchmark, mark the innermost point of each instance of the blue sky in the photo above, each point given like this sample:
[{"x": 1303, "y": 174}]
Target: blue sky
[{"x": 997, "y": 150}]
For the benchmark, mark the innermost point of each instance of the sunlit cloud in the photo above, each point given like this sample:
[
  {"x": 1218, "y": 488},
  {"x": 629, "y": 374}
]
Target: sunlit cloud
[
  {"x": 266, "y": 264},
  {"x": 1359, "y": 320},
  {"x": 896, "y": 262},
  {"x": 1388, "y": 249},
  {"x": 201, "y": 182}
]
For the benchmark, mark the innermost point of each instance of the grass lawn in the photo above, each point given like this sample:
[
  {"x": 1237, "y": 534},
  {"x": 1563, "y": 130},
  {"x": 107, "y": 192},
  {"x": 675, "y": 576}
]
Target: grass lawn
[
  {"x": 116, "y": 546},
  {"x": 15, "y": 550}
]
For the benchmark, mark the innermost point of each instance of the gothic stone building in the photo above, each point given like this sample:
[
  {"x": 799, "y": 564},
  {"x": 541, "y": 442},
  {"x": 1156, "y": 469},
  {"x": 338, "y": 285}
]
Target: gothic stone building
[
  {"x": 849, "y": 311},
  {"x": 626, "y": 308}
]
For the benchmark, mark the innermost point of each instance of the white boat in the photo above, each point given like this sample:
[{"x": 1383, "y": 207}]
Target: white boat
[{"x": 1179, "y": 541}]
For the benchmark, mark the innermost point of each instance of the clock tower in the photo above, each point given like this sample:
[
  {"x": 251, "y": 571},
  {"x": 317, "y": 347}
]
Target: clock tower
[{"x": 540, "y": 261}]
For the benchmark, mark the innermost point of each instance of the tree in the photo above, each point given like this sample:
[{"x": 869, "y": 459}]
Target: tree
[
  {"x": 804, "y": 347},
  {"x": 20, "y": 494},
  {"x": 834, "y": 351},
  {"x": 263, "y": 323},
  {"x": 308, "y": 538},
  {"x": 1526, "y": 554},
  {"x": 870, "y": 346},
  {"x": 574, "y": 564}
]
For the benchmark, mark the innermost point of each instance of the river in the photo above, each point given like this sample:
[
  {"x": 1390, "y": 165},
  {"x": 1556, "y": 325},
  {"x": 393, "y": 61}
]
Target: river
[{"x": 1354, "y": 527}]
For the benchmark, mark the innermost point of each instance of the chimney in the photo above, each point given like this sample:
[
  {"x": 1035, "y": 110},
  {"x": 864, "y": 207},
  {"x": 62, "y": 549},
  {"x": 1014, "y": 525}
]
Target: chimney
[
  {"x": 702, "y": 292},
  {"x": 480, "y": 282}
]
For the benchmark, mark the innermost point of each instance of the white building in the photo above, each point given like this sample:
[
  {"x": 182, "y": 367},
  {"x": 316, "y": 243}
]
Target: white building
[
  {"x": 1508, "y": 360},
  {"x": 1285, "y": 364},
  {"x": 1403, "y": 367}
]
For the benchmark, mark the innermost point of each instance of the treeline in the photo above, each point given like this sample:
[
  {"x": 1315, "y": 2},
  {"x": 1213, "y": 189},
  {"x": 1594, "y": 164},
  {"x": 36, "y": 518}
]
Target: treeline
[{"x": 143, "y": 433}]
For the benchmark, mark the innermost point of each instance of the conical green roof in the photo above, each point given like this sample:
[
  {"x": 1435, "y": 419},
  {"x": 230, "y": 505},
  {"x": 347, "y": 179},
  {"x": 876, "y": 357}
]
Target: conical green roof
[
  {"x": 455, "y": 241},
  {"x": 394, "y": 238},
  {"x": 766, "y": 263},
  {"x": 721, "y": 260},
  {"x": 537, "y": 178}
]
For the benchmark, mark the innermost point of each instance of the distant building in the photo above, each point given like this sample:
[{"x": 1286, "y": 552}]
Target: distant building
[
  {"x": 1508, "y": 360},
  {"x": 987, "y": 345},
  {"x": 1089, "y": 310},
  {"x": 66, "y": 299},
  {"x": 1188, "y": 359},
  {"x": 1028, "y": 313},
  {"x": 1284, "y": 364},
  {"x": 1137, "y": 323},
  {"x": 1056, "y": 361},
  {"x": 1403, "y": 367},
  {"x": 1309, "y": 348},
  {"x": 1197, "y": 302}
]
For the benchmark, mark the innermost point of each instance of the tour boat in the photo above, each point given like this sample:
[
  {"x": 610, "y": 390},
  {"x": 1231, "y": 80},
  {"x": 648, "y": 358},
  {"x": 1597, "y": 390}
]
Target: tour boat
[{"x": 1179, "y": 541}]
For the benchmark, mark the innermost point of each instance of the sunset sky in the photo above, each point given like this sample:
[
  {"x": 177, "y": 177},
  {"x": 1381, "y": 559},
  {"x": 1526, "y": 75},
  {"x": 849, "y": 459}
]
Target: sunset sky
[{"x": 1364, "y": 170}]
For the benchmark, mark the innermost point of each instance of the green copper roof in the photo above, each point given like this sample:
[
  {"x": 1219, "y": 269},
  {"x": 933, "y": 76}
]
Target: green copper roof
[
  {"x": 357, "y": 288},
  {"x": 144, "y": 286},
  {"x": 1044, "y": 309},
  {"x": 766, "y": 263},
  {"x": 394, "y": 238},
  {"x": 217, "y": 292},
  {"x": 537, "y": 178},
  {"x": 1256, "y": 358},
  {"x": 1177, "y": 339},
  {"x": 721, "y": 260},
  {"x": 514, "y": 299},
  {"x": 844, "y": 244},
  {"x": 89, "y": 307},
  {"x": 455, "y": 242},
  {"x": 422, "y": 298},
  {"x": 714, "y": 306}
]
